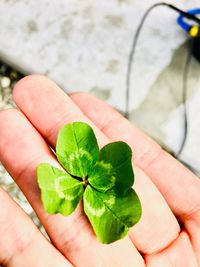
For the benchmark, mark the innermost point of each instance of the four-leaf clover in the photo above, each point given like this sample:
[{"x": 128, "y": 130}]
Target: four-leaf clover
[{"x": 103, "y": 178}]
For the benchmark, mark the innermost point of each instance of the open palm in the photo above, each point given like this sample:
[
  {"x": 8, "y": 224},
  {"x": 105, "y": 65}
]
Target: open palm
[{"x": 168, "y": 233}]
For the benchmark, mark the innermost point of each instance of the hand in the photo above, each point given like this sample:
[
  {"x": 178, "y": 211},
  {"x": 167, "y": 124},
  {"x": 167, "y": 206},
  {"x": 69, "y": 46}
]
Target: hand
[{"x": 168, "y": 233}]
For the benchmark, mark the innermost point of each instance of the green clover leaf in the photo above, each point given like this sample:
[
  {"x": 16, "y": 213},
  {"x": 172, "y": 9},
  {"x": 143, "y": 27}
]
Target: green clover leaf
[
  {"x": 60, "y": 192},
  {"x": 111, "y": 215},
  {"x": 104, "y": 180},
  {"x": 77, "y": 149},
  {"x": 114, "y": 167}
]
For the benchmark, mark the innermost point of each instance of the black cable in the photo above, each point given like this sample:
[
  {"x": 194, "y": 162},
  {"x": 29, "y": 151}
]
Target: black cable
[
  {"x": 135, "y": 41},
  {"x": 132, "y": 53},
  {"x": 185, "y": 14},
  {"x": 185, "y": 72},
  {"x": 184, "y": 98}
]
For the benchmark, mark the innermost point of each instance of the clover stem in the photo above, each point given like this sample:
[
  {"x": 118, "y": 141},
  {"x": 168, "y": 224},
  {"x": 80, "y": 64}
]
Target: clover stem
[
  {"x": 77, "y": 178},
  {"x": 85, "y": 181}
]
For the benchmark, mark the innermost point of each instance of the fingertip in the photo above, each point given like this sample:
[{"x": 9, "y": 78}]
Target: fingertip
[
  {"x": 6, "y": 116},
  {"x": 29, "y": 87},
  {"x": 24, "y": 83}
]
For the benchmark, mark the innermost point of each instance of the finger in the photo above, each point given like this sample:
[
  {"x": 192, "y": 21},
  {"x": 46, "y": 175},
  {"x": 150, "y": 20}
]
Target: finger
[
  {"x": 162, "y": 227},
  {"x": 21, "y": 242},
  {"x": 180, "y": 253},
  {"x": 178, "y": 185},
  {"x": 164, "y": 170},
  {"x": 22, "y": 149}
]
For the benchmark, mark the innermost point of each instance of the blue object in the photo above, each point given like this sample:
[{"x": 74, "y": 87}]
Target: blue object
[{"x": 185, "y": 25}]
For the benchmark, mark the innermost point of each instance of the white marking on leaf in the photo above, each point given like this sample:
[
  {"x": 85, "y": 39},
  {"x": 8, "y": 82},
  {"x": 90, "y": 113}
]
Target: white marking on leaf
[
  {"x": 71, "y": 197},
  {"x": 95, "y": 212},
  {"x": 62, "y": 193},
  {"x": 57, "y": 187},
  {"x": 110, "y": 202},
  {"x": 106, "y": 166},
  {"x": 75, "y": 161},
  {"x": 79, "y": 153}
]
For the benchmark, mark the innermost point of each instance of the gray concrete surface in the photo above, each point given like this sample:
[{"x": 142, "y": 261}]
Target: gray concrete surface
[{"x": 84, "y": 46}]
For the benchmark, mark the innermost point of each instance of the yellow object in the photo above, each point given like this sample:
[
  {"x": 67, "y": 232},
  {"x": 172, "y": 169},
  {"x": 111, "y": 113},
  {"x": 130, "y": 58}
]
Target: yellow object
[{"x": 194, "y": 31}]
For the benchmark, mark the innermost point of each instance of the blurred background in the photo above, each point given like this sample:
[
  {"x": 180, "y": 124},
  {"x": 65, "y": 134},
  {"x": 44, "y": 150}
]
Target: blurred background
[{"x": 86, "y": 46}]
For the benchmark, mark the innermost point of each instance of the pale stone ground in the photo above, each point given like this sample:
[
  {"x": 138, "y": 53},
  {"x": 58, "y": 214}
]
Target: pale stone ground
[{"x": 84, "y": 46}]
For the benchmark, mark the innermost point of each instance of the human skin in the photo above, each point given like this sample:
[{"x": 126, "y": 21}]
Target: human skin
[{"x": 168, "y": 233}]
